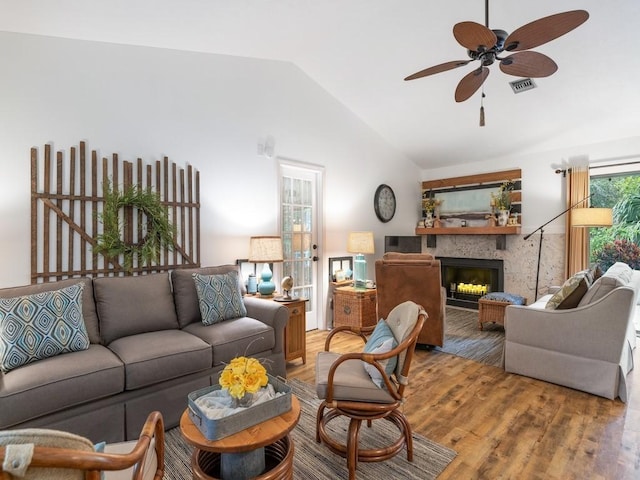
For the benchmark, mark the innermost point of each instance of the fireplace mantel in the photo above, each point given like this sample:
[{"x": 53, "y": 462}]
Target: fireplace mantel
[
  {"x": 499, "y": 232},
  {"x": 508, "y": 230}
]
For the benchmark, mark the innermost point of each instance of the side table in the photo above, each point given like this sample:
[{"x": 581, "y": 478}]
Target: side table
[
  {"x": 238, "y": 453},
  {"x": 295, "y": 333},
  {"x": 354, "y": 307}
]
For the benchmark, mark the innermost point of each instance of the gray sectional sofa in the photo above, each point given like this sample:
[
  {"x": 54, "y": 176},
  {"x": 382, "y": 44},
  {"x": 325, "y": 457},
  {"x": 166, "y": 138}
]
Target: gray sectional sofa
[{"x": 148, "y": 350}]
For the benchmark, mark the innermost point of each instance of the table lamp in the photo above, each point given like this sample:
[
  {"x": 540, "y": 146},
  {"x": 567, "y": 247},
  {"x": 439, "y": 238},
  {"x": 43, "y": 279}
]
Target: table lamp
[
  {"x": 360, "y": 243},
  {"x": 267, "y": 249}
]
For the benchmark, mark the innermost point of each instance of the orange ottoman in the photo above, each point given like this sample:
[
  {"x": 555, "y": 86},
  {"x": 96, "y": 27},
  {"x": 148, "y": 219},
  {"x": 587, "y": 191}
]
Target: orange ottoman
[{"x": 492, "y": 306}]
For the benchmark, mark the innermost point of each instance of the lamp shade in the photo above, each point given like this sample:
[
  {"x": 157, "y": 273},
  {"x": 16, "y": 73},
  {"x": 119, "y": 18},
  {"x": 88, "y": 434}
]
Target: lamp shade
[
  {"x": 591, "y": 217},
  {"x": 265, "y": 249},
  {"x": 360, "y": 242}
]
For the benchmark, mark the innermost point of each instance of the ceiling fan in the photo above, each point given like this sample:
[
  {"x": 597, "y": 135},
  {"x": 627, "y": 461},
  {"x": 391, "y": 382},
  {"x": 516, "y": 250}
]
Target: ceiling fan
[{"x": 487, "y": 45}]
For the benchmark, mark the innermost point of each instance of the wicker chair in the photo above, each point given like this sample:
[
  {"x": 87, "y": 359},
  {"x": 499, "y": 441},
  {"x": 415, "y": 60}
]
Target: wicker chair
[
  {"x": 56, "y": 455},
  {"x": 347, "y": 389}
]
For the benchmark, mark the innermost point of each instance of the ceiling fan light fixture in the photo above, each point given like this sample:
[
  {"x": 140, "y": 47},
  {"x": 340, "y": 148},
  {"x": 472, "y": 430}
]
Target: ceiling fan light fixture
[{"x": 522, "y": 85}]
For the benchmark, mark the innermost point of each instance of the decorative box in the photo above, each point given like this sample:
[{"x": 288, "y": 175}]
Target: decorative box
[
  {"x": 215, "y": 429},
  {"x": 353, "y": 307}
]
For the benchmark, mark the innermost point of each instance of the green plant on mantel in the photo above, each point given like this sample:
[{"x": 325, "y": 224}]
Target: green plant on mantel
[
  {"x": 502, "y": 199},
  {"x": 159, "y": 231}
]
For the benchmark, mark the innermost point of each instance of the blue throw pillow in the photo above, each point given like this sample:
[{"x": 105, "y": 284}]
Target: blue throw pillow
[
  {"x": 219, "y": 297},
  {"x": 381, "y": 341},
  {"x": 512, "y": 298},
  {"x": 41, "y": 325}
]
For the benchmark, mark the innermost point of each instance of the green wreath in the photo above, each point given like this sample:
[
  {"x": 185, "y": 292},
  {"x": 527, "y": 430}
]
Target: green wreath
[{"x": 159, "y": 231}]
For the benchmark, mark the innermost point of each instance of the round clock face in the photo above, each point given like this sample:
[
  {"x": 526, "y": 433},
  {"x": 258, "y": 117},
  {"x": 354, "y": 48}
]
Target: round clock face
[{"x": 384, "y": 203}]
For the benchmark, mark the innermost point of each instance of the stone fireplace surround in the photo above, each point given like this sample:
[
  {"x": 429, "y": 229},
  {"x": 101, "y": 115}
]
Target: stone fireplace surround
[{"x": 519, "y": 258}]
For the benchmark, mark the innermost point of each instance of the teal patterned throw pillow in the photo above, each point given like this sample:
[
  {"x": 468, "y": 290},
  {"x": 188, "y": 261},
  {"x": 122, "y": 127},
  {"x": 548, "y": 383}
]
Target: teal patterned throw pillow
[
  {"x": 219, "y": 297},
  {"x": 42, "y": 325}
]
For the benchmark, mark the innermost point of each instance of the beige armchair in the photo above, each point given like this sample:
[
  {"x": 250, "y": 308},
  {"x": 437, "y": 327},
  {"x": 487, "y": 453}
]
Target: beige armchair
[
  {"x": 36, "y": 453},
  {"x": 415, "y": 277}
]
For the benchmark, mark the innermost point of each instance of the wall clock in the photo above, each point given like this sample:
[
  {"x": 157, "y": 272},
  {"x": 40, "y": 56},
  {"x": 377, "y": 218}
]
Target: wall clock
[{"x": 384, "y": 203}]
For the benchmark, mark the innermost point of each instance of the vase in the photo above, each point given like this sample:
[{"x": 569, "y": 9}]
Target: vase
[
  {"x": 503, "y": 217},
  {"x": 428, "y": 222},
  {"x": 245, "y": 401}
]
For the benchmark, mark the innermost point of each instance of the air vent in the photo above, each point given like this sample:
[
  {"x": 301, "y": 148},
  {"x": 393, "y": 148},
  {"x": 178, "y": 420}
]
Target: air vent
[{"x": 522, "y": 85}]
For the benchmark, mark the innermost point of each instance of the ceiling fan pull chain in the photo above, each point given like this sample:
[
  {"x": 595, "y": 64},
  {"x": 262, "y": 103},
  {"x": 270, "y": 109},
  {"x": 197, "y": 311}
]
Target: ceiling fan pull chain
[{"x": 482, "y": 108}]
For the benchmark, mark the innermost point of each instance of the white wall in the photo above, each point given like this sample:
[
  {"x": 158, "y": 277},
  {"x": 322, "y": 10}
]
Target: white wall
[{"x": 209, "y": 111}]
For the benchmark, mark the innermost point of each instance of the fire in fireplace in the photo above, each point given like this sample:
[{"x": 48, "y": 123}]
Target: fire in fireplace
[{"x": 468, "y": 279}]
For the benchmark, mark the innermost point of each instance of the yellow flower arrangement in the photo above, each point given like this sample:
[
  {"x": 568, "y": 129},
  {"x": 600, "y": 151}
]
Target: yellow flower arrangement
[
  {"x": 243, "y": 375},
  {"x": 429, "y": 204}
]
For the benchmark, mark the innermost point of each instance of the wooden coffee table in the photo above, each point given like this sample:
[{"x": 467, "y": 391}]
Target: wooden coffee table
[{"x": 265, "y": 447}]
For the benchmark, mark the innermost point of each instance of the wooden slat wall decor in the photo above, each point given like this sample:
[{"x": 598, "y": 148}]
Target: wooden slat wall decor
[
  {"x": 66, "y": 202},
  {"x": 483, "y": 180}
]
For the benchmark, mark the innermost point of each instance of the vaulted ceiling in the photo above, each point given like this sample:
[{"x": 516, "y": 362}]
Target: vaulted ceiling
[{"x": 360, "y": 51}]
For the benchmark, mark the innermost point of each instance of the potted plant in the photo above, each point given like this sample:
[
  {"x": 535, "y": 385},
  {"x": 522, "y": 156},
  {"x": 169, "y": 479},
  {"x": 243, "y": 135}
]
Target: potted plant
[{"x": 501, "y": 202}]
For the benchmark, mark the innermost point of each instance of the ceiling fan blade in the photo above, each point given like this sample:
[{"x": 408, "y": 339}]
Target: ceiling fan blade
[
  {"x": 528, "y": 64},
  {"x": 544, "y": 30},
  {"x": 474, "y": 36},
  {"x": 443, "y": 67},
  {"x": 470, "y": 83}
]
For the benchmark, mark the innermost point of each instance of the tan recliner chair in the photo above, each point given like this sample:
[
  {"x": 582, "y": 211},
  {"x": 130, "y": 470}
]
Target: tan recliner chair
[{"x": 416, "y": 277}]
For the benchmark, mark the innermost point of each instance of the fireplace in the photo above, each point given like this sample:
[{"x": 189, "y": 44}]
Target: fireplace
[{"x": 468, "y": 279}]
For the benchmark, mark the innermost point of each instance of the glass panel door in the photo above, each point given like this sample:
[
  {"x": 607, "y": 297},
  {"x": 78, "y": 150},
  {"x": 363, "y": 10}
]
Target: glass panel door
[{"x": 299, "y": 236}]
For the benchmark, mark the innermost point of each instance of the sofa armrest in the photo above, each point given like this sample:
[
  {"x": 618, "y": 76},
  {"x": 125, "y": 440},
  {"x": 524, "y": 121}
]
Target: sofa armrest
[
  {"x": 270, "y": 313},
  {"x": 597, "y": 330}
]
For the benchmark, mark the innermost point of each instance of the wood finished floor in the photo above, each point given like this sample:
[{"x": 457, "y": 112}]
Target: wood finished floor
[{"x": 505, "y": 426}]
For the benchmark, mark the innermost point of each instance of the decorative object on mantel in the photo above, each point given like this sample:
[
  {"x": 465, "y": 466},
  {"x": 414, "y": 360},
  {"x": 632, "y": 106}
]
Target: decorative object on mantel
[
  {"x": 431, "y": 205},
  {"x": 501, "y": 202},
  {"x": 159, "y": 230},
  {"x": 66, "y": 200}
]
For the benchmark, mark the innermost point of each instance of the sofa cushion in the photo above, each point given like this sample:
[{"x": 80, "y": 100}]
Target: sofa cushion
[
  {"x": 88, "y": 304},
  {"x": 570, "y": 293},
  {"x": 154, "y": 357},
  {"x": 381, "y": 341},
  {"x": 131, "y": 305},
  {"x": 185, "y": 294},
  {"x": 219, "y": 297},
  {"x": 617, "y": 275},
  {"x": 41, "y": 325},
  {"x": 58, "y": 383},
  {"x": 237, "y": 337}
]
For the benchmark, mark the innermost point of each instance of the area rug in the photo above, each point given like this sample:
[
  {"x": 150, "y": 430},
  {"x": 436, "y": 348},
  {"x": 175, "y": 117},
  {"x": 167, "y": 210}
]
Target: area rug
[
  {"x": 313, "y": 461},
  {"x": 463, "y": 337}
]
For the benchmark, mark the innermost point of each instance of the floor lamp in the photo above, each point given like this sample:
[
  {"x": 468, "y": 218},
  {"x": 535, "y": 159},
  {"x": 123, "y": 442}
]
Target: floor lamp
[{"x": 582, "y": 217}]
